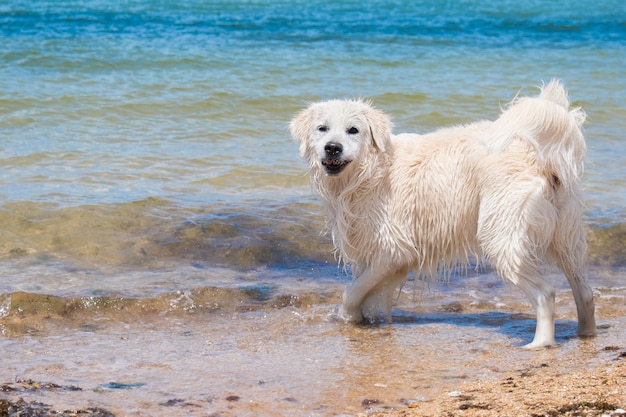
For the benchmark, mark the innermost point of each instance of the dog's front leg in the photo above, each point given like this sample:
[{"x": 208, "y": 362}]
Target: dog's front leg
[{"x": 369, "y": 297}]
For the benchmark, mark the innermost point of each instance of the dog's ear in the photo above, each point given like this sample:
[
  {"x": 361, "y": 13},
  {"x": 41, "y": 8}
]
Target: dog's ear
[
  {"x": 300, "y": 128},
  {"x": 380, "y": 127}
]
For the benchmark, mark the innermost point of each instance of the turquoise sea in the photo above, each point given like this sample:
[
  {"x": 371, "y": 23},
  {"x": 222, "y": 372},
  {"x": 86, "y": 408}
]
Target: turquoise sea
[{"x": 147, "y": 173}]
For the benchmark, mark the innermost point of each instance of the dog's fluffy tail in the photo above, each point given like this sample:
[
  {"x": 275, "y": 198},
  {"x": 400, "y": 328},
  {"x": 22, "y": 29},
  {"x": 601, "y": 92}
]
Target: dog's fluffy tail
[{"x": 549, "y": 125}]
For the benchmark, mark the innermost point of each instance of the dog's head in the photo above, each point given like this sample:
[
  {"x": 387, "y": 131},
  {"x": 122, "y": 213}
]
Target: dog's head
[{"x": 335, "y": 135}]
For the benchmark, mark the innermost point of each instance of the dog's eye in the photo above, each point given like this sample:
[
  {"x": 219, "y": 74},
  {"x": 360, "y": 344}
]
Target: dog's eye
[
  {"x": 353, "y": 131},
  {"x": 322, "y": 128}
]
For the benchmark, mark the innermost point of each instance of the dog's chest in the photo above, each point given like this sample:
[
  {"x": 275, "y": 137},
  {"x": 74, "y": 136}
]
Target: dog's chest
[{"x": 365, "y": 229}]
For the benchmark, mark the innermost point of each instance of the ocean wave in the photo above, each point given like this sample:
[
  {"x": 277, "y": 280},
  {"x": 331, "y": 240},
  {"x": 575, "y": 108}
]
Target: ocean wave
[
  {"x": 32, "y": 313},
  {"x": 281, "y": 238},
  {"x": 148, "y": 232},
  {"x": 607, "y": 244}
]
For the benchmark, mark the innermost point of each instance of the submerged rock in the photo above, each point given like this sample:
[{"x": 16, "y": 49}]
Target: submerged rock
[{"x": 22, "y": 408}]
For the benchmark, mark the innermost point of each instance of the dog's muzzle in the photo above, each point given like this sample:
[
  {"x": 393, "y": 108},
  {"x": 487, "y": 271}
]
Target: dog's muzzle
[{"x": 333, "y": 160}]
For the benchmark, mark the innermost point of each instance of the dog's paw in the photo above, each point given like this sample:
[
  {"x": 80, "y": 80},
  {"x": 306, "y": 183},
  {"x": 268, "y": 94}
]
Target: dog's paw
[
  {"x": 587, "y": 330},
  {"x": 351, "y": 315},
  {"x": 539, "y": 345}
]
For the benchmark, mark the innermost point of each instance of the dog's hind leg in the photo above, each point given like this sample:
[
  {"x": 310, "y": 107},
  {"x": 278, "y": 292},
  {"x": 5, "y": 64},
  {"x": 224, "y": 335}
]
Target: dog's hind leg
[
  {"x": 569, "y": 247},
  {"x": 541, "y": 296},
  {"x": 525, "y": 274},
  {"x": 370, "y": 295},
  {"x": 583, "y": 296},
  {"x": 515, "y": 239}
]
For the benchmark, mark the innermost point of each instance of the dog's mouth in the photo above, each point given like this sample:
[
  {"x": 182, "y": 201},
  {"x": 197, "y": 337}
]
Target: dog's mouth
[{"x": 334, "y": 166}]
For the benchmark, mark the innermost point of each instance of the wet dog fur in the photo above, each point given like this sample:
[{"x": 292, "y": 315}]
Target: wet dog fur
[{"x": 506, "y": 191}]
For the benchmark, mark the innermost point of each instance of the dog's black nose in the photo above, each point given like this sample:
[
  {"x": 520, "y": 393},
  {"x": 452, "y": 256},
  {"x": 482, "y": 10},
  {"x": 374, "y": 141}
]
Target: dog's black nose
[{"x": 333, "y": 148}]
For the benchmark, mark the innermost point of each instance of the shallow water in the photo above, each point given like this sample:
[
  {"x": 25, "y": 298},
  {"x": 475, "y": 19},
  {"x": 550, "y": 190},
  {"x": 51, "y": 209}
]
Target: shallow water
[
  {"x": 258, "y": 350},
  {"x": 158, "y": 230}
]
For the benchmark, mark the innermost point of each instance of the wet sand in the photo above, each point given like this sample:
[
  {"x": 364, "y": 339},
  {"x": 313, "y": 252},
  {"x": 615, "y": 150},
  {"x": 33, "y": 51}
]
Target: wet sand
[
  {"x": 451, "y": 350},
  {"x": 539, "y": 389}
]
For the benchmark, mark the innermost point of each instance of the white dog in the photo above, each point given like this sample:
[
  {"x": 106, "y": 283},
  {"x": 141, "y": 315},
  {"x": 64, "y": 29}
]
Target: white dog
[{"x": 507, "y": 191}]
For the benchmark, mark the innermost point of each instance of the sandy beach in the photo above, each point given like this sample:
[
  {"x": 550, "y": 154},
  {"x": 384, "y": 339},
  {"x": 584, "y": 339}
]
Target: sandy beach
[{"x": 539, "y": 389}]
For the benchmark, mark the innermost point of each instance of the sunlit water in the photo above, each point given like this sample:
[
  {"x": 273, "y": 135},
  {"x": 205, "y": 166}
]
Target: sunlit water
[{"x": 157, "y": 223}]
